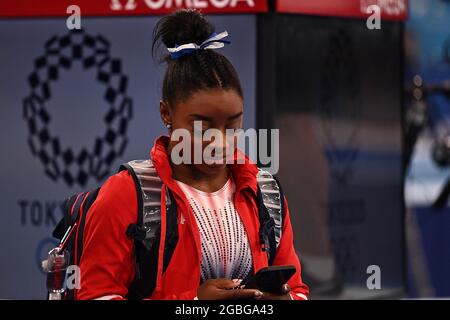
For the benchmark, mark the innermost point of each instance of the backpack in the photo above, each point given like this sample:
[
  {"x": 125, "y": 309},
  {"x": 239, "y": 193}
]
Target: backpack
[{"x": 146, "y": 231}]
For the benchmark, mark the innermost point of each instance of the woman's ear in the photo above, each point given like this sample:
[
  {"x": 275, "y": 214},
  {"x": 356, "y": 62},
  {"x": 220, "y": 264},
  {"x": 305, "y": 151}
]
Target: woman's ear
[{"x": 164, "y": 111}]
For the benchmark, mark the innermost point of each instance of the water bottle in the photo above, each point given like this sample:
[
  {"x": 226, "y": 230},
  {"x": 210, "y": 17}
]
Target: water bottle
[{"x": 57, "y": 263}]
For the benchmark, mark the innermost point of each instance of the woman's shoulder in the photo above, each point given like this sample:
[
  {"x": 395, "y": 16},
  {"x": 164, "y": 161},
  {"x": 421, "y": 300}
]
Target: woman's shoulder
[
  {"x": 117, "y": 194},
  {"x": 119, "y": 185}
]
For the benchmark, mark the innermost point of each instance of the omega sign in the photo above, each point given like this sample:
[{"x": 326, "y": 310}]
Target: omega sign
[
  {"x": 389, "y": 7},
  {"x": 169, "y": 4}
]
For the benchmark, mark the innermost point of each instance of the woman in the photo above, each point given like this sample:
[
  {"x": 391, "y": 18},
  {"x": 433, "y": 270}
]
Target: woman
[{"x": 218, "y": 230}]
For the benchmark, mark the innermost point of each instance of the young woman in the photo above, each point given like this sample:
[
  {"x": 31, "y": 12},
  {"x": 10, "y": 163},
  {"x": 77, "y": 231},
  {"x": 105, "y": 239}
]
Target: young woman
[{"x": 218, "y": 214}]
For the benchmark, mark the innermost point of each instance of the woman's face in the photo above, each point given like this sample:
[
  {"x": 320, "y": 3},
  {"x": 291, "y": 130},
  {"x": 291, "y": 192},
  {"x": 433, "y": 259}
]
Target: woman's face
[{"x": 207, "y": 109}]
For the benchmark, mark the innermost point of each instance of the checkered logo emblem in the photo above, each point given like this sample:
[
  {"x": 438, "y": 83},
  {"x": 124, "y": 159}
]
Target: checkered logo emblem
[{"x": 61, "y": 162}]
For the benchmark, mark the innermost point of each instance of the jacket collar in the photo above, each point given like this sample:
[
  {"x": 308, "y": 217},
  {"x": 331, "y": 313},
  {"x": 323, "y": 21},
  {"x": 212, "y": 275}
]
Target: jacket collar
[{"x": 244, "y": 174}]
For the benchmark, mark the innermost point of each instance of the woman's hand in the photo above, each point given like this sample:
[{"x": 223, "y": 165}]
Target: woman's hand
[
  {"x": 284, "y": 295},
  {"x": 225, "y": 289}
]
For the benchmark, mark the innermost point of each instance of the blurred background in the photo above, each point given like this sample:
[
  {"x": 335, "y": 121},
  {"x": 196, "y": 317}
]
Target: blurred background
[{"x": 363, "y": 116}]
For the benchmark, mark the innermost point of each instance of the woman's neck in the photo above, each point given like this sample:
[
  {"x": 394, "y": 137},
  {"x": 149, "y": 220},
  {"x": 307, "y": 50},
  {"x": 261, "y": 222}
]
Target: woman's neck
[{"x": 198, "y": 180}]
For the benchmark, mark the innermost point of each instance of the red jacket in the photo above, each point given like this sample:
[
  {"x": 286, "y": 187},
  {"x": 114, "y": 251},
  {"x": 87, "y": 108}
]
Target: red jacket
[{"x": 107, "y": 262}]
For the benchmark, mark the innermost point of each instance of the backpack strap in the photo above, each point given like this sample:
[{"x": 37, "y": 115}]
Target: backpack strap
[
  {"x": 148, "y": 189},
  {"x": 70, "y": 229},
  {"x": 171, "y": 229},
  {"x": 146, "y": 231},
  {"x": 271, "y": 210},
  {"x": 65, "y": 223}
]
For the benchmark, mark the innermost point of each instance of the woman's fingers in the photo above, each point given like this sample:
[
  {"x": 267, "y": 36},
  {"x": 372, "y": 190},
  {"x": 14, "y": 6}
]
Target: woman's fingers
[
  {"x": 284, "y": 295},
  {"x": 226, "y": 289},
  {"x": 285, "y": 288},
  {"x": 227, "y": 283},
  {"x": 232, "y": 290},
  {"x": 241, "y": 294}
]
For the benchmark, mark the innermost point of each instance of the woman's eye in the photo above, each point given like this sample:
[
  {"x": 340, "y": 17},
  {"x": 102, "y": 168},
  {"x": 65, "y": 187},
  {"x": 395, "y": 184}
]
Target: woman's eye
[
  {"x": 232, "y": 129},
  {"x": 198, "y": 130}
]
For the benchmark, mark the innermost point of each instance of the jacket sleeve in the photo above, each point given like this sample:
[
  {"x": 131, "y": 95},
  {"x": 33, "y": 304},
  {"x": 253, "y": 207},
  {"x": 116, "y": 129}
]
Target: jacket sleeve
[
  {"x": 286, "y": 255},
  {"x": 107, "y": 262}
]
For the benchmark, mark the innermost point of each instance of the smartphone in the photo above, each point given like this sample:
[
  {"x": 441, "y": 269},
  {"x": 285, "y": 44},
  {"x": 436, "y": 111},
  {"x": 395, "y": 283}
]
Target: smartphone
[{"x": 270, "y": 279}]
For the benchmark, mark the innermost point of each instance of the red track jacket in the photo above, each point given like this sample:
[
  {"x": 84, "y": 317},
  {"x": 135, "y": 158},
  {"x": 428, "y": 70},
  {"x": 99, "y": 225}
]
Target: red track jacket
[{"x": 107, "y": 262}]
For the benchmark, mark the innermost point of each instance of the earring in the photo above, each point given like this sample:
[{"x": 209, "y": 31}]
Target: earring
[{"x": 168, "y": 126}]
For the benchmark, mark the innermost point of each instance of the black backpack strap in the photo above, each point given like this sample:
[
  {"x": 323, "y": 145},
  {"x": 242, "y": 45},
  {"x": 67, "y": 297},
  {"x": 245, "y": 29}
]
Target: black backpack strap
[
  {"x": 76, "y": 209},
  {"x": 147, "y": 230},
  {"x": 71, "y": 207},
  {"x": 80, "y": 213},
  {"x": 271, "y": 211},
  {"x": 65, "y": 222}
]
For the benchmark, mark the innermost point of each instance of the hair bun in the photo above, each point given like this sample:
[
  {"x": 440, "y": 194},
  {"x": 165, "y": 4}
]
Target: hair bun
[{"x": 182, "y": 26}]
